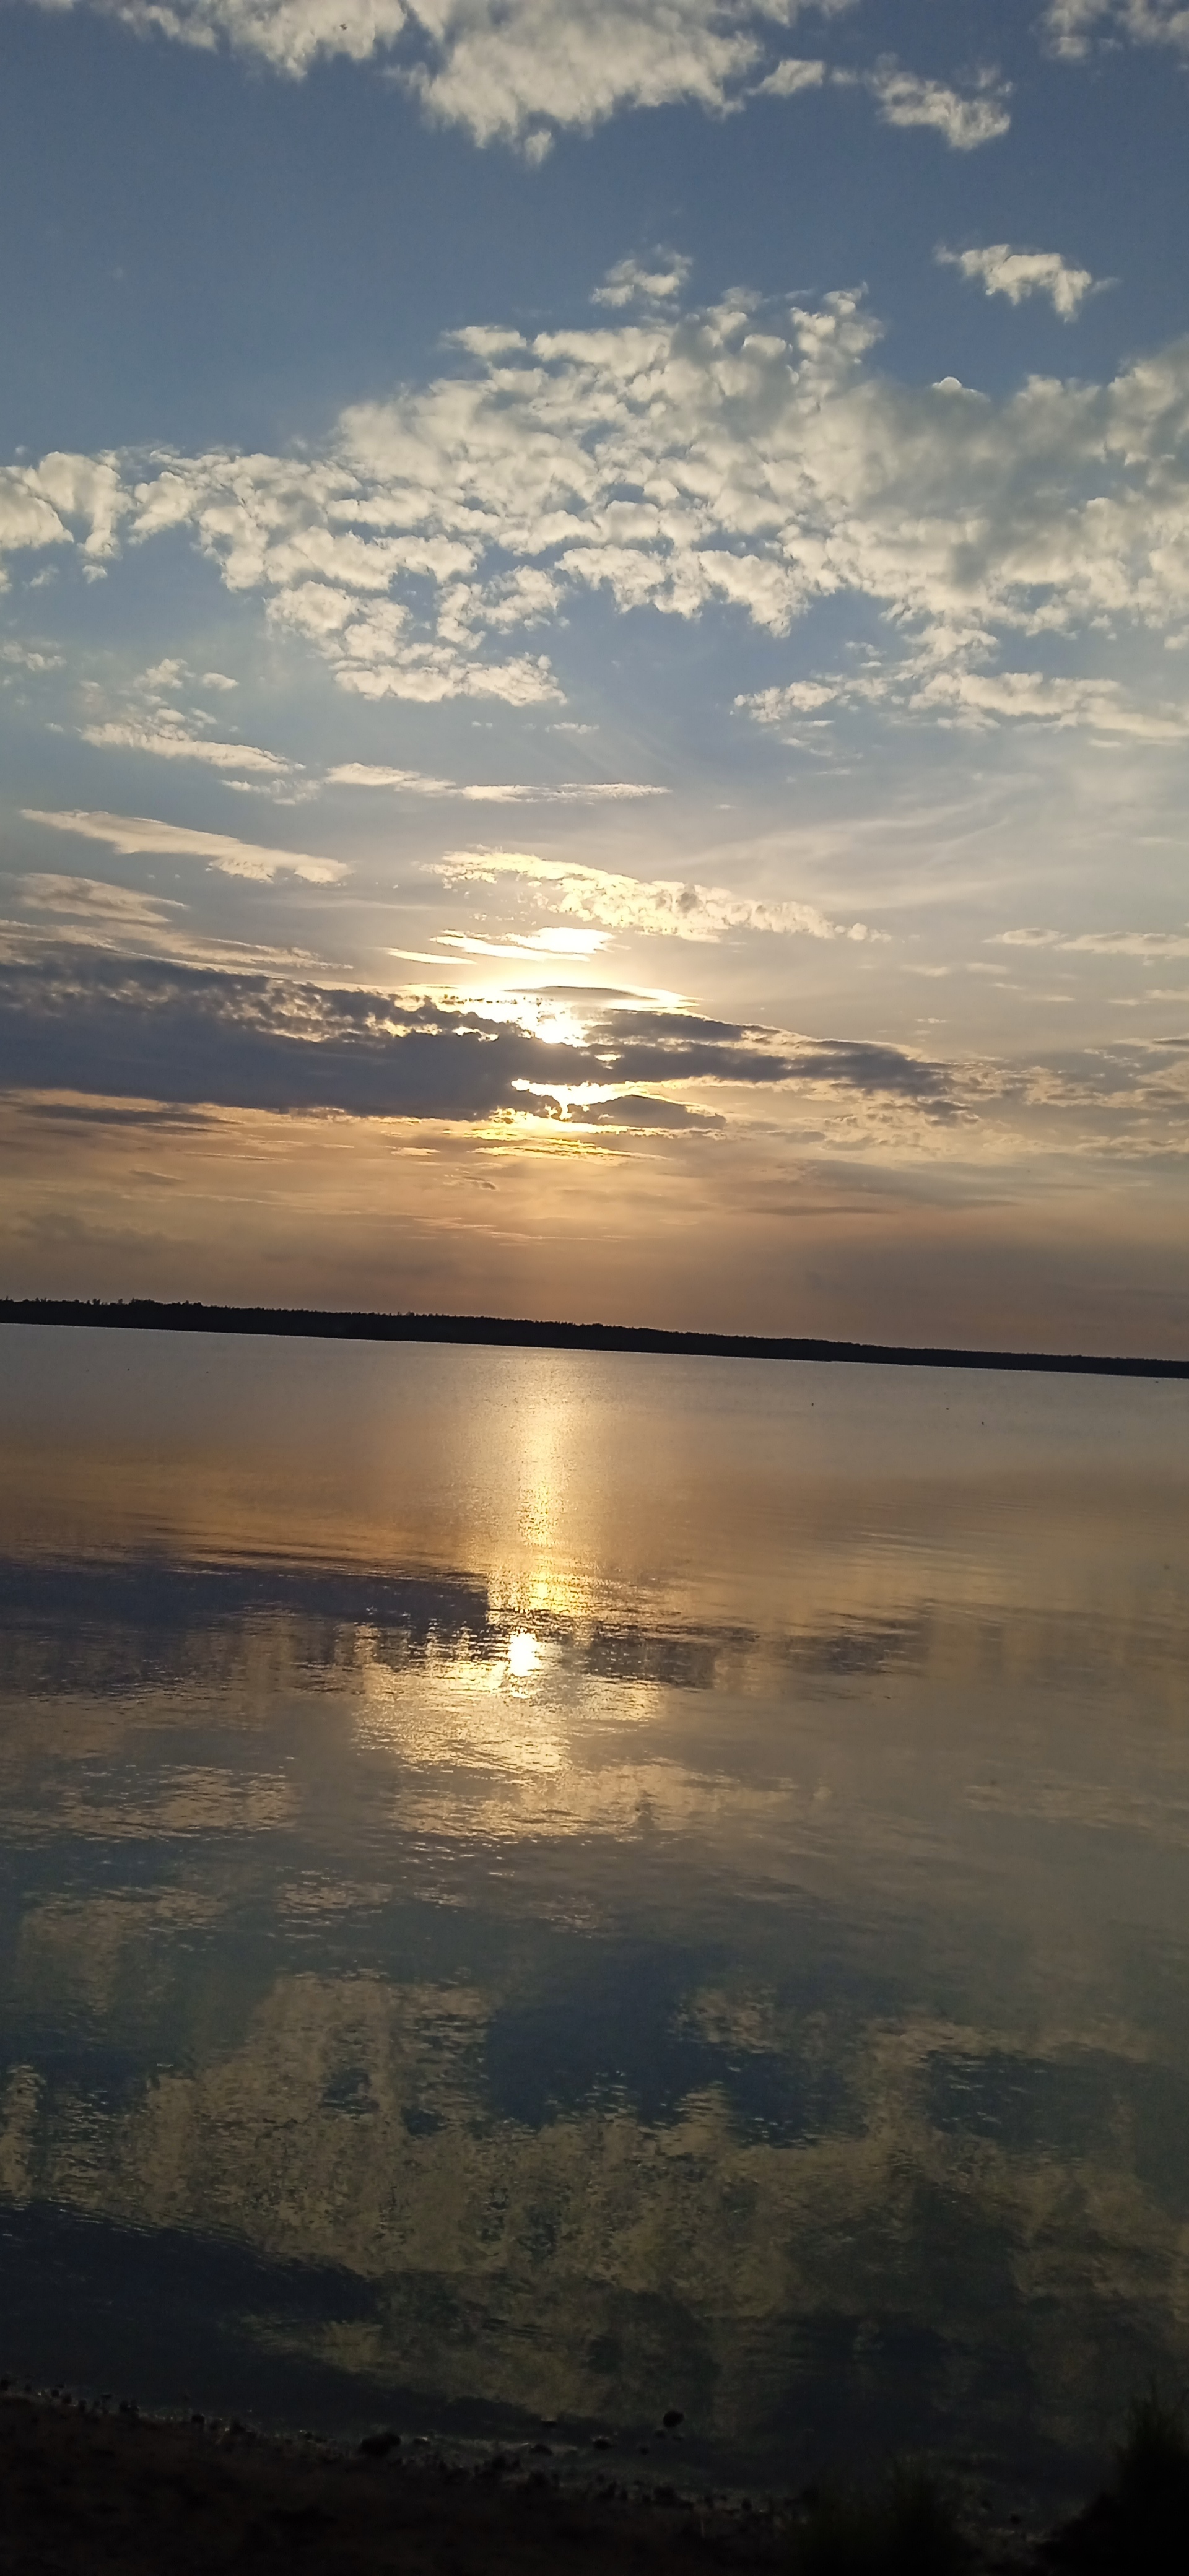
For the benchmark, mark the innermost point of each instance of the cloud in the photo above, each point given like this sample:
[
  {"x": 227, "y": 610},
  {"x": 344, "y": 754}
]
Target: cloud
[
  {"x": 976, "y": 700},
  {"x": 1017, "y": 273},
  {"x": 33, "y": 658},
  {"x": 739, "y": 461},
  {"x": 134, "y": 834},
  {"x": 133, "y": 1028},
  {"x": 534, "y": 944},
  {"x": 111, "y": 910},
  {"x": 171, "y": 742},
  {"x": 790, "y": 77},
  {"x": 965, "y": 119},
  {"x": 1144, "y": 944},
  {"x": 515, "y": 71},
  {"x": 506, "y": 70},
  {"x": 629, "y": 283},
  {"x": 1073, "y": 26},
  {"x": 92, "y": 912},
  {"x": 37, "y": 501},
  {"x": 663, "y": 908},
  {"x": 362, "y": 773},
  {"x": 359, "y": 773}
]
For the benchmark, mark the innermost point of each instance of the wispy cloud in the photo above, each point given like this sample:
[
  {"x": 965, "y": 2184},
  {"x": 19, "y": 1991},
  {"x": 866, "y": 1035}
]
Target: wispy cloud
[
  {"x": 114, "y": 911},
  {"x": 359, "y": 773},
  {"x": 664, "y": 907},
  {"x": 134, "y": 834},
  {"x": 90, "y": 912},
  {"x": 794, "y": 74},
  {"x": 952, "y": 685},
  {"x": 172, "y": 742},
  {"x": 1020, "y": 273},
  {"x": 1143, "y": 944}
]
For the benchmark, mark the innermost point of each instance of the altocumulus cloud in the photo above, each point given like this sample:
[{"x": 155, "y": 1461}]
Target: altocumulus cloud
[
  {"x": 1074, "y": 27},
  {"x": 146, "y": 1029},
  {"x": 683, "y": 462},
  {"x": 512, "y": 71}
]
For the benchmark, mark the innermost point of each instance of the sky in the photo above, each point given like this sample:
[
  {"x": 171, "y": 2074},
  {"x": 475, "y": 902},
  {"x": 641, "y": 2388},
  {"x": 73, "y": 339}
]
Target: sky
[{"x": 594, "y": 661}]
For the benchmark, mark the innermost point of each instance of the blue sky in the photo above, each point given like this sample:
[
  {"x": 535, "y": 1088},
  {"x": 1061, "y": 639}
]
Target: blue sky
[{"x": 595, "y": 658}]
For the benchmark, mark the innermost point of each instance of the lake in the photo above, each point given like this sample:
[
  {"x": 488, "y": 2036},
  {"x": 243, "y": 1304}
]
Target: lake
[{"x": 541, "y": 1888}]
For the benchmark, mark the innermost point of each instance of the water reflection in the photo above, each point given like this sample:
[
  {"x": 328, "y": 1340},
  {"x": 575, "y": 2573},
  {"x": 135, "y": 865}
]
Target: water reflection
[{"x": 548, "y": 1885}]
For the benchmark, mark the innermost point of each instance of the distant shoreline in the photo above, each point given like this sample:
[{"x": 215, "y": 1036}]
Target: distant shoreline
[{"x": 498, "y": 1332}]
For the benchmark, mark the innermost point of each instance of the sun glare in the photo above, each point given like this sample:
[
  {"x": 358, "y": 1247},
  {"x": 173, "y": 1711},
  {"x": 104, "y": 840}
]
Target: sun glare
[{"x": 523, "y": 1654}]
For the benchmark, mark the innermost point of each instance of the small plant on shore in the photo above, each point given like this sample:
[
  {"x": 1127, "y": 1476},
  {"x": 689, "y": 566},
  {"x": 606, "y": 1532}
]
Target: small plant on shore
[
  {"x": 1153, "y": 2480},
  {"x": 910, "y": 2530}
]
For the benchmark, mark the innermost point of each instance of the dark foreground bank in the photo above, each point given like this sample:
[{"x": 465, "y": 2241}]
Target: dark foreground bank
[
  {"x": 83, "y": 2489},
  {"x": 499, "y": 1332}
]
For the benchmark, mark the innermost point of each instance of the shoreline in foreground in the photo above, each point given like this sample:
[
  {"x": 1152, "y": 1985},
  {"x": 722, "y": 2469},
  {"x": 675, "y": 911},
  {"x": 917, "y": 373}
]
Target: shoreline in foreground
[
  {"x": 91, "y": 2485},
  {"x": 497, "y": 1332}
]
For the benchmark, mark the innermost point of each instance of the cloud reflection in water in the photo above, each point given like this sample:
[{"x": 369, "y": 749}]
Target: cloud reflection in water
[{"x": 588, "y": 1884}]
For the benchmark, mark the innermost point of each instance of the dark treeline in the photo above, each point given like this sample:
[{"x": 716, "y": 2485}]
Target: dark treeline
[{"x": 501, "y": 1332}]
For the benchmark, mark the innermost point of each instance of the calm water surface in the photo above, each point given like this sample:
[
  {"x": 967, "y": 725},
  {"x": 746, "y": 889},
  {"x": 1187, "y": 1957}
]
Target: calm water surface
[{"x": 547, "y": 1885}]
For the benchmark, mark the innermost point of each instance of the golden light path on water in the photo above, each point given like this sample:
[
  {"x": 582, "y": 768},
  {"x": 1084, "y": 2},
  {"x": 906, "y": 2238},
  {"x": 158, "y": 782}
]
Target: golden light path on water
[{"x": 579, "y": 1884}]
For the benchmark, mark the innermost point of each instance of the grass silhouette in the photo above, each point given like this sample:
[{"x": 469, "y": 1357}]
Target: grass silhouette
[
  {"x": 911, "y": 2529},
  {"x": 1140, "y": 2526}
]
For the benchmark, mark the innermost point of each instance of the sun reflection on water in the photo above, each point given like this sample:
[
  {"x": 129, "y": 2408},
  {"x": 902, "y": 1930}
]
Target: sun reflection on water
[{"x": 523, "y": 1654}]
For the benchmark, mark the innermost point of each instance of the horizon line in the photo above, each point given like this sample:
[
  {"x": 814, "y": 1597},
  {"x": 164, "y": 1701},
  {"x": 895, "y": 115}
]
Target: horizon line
[{"x": 311, "y": 1323}]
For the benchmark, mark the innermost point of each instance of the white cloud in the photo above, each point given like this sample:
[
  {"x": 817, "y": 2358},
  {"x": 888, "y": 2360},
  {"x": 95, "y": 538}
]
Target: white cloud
[
  {"x": 1073, "y": 26},
  {"x": 954, "y": 688},
  {"x": 790, "y": 77},
  {"x": 171, "y": 742},
  {"x": 663, "y": 907},
  {"x": 507, "y": 70},
  {"x": 984, "y": 696},
  {"x": 536, "y": 944},
  {"x": 37, "y": 501},
  {"x": 511, "y": 72},
  {"x": 964, "y": 118},
  {"x": 1017, "y": 273},
  {"x": 733, "y": 460},
  {"x": 359, "y": 773},
  {"x": 135, "y": 834},
  {"x": 629, "y": 283},
  {"x": 33, "y": 658}
]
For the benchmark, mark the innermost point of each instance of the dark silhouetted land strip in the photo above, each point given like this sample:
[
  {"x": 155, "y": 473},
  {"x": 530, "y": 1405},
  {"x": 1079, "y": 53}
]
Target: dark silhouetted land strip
[
  {"x": 87, "y": 2487},
  {"x": 503, "y": 1332}
]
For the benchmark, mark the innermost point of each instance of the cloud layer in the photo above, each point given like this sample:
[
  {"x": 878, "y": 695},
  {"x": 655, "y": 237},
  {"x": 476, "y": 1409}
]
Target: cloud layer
[
  {"x": 755, "y": 465},
  {"x": 84, "y": 1021}
]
